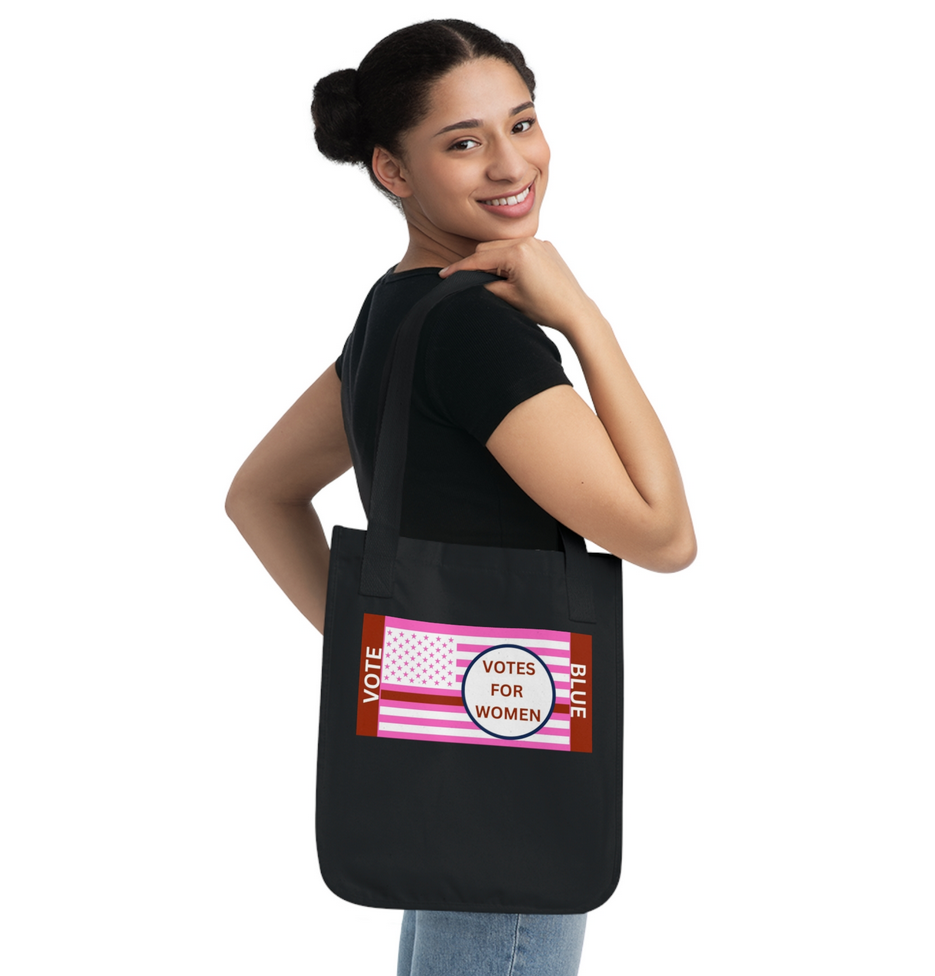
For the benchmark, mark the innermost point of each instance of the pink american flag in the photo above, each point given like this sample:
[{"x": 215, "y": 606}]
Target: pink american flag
[{"x": 412, "y": 673}]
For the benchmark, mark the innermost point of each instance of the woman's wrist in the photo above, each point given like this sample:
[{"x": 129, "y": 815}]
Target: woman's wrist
[{"x": 585, "y": 325}]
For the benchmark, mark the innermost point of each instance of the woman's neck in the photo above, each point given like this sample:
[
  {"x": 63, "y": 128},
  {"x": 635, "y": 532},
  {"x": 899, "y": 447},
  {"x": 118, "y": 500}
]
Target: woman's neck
[{"x": 433, "y": 249}]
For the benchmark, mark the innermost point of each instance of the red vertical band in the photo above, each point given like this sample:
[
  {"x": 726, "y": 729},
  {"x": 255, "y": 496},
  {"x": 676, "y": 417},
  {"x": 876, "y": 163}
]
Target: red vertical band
[
  {"x": 579, "y": 705},
  {"x": 371, "y": 674}
]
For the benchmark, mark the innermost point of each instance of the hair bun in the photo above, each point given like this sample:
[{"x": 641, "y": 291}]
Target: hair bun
[{"x": 338, "y": 117}]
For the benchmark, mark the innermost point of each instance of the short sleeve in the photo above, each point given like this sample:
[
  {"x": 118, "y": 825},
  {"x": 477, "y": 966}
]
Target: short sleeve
[{"x": 482, "y": 358}]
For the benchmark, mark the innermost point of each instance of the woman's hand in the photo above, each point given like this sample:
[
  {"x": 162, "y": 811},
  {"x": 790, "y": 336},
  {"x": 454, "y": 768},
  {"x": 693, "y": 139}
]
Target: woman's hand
[{"x": 538, "y": 282}]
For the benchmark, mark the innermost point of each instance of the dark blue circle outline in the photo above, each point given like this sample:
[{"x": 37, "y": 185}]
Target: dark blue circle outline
[{"x": 467, "y": 671}]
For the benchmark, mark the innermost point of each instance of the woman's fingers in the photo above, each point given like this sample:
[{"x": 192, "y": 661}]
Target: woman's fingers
[
  {"x": 497, "y": 257},
  {"x": 536, "y": 279}
]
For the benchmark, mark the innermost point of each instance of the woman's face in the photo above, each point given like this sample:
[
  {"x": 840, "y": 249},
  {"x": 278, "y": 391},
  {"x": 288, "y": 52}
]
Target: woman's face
[{"x": 476, "y": 168}]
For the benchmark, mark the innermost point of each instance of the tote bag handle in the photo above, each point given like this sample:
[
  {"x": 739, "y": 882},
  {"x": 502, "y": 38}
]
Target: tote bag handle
[{"x": 386, "y": 494}]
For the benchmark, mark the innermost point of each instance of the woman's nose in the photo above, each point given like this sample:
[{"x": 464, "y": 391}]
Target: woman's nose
[{"x": 506, "y": 162}]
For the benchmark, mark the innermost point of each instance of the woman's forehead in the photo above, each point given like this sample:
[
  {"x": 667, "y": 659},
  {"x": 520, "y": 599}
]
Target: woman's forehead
[{"x": 483, "y": 90}]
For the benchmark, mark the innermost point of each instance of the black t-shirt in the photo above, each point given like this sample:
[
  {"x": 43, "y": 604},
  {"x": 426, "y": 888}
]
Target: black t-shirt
[{"x": 478, "y": 357}]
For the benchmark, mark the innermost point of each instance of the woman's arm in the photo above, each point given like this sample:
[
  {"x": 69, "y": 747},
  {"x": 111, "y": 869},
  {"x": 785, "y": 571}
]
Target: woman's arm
[
  {"x": 270, "y": 498},
  {"x": 613, "y": 478}
]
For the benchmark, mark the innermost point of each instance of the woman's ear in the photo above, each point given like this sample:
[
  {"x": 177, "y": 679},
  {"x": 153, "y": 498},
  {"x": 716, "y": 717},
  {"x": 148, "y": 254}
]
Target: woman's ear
[{"x": 388, "y": 171}]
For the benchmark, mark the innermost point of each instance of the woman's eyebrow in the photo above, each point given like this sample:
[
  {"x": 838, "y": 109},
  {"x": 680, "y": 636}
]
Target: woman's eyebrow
[{"x": 477, "y": 123}]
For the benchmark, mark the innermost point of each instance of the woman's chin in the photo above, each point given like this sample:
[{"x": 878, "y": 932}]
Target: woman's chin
[{"x": 504, "y": 229}]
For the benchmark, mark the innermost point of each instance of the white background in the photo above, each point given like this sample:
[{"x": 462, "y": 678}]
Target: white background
[{"x": 746, "y": 189}]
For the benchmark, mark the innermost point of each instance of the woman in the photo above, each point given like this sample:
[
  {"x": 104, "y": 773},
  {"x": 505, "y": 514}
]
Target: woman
[{"x": 501, "y": 447}]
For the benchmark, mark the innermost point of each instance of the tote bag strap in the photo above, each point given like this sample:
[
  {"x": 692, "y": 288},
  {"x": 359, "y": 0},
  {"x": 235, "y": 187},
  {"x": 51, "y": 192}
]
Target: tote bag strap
[{"x": 386, "y": 495}]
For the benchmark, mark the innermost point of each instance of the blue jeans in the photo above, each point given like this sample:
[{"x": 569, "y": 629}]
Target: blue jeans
[{"x": 487, "y": 944}]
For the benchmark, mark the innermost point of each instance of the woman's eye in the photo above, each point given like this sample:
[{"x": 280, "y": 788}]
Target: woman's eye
[
  {"x": 464, "y": 144},
  {"x": 524, "y": 126}
]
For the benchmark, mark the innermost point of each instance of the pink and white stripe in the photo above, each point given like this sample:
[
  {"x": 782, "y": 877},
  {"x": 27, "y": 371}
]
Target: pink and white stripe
[{"x": 424, "y": 660}]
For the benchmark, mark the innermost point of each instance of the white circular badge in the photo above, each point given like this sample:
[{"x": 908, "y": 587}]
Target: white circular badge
[{"x": 508, "y": 691}]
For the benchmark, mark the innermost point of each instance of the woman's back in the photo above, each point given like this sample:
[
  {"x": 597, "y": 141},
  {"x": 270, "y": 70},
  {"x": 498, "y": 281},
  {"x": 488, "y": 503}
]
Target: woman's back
[{"x": 478, "y": 358}]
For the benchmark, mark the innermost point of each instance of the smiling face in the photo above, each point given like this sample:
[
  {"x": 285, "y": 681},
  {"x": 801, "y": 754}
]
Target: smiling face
[{"x": 476, "y": 167}]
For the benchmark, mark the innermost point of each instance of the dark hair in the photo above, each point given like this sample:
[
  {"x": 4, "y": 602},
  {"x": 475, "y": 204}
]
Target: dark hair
[{"x": 374, "y": 105}]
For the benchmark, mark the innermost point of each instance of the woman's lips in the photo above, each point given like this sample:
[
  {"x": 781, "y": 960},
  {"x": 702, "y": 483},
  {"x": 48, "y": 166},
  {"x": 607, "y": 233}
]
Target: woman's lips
[{"x": 520, "y": 208}]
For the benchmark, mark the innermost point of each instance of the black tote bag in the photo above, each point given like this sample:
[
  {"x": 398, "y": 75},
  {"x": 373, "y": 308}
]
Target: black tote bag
[{"x": 470, "y": 753}]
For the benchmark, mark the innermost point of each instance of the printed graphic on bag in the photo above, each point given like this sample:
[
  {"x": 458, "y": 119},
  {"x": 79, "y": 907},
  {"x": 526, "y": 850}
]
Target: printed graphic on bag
[{"x": 482, "y": 685}]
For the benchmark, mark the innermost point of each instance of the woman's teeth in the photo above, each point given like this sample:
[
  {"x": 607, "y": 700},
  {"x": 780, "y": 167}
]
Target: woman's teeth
[{"x": 509, "y": 201}]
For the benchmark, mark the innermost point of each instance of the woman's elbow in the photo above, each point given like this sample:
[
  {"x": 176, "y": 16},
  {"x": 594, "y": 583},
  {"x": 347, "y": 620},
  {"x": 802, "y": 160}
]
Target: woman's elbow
[
  {"x": 669, "y": 552},
  {"x": 678, "y": 555},
  {"x": 233, "y": 503},
  {"x": 242, "y": 497}
]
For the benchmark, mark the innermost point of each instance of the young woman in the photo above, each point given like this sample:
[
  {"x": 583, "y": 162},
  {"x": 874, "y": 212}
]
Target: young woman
[{"x": 501, "y": 446}]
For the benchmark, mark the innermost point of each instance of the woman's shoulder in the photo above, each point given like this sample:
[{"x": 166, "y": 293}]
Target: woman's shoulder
[
  {"x": 475, "y": 320},
  {"x": 481, "y": 357}
]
